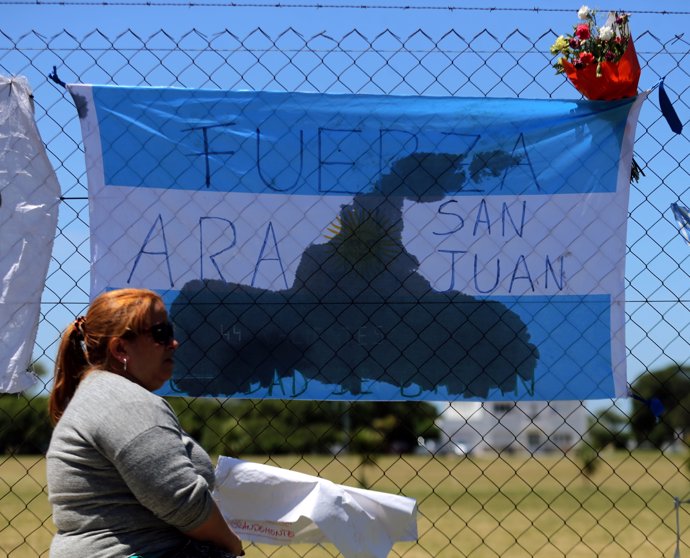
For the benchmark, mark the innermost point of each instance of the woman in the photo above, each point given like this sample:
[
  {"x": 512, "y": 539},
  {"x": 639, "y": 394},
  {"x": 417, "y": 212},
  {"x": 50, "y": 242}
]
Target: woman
[{"x": 124, "y": 479}]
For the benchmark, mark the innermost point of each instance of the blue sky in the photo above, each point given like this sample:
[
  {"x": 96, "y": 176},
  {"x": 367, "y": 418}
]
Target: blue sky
[{"x": 531, "y": 18}]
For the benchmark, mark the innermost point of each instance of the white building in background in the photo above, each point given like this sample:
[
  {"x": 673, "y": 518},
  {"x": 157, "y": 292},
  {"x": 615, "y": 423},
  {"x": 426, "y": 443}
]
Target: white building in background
[{"x": 502, "y": 426}]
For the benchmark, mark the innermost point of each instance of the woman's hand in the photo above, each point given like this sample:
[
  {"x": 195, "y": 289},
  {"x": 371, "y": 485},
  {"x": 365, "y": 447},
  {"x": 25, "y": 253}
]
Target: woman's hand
[{"x": 217, "y": 531}]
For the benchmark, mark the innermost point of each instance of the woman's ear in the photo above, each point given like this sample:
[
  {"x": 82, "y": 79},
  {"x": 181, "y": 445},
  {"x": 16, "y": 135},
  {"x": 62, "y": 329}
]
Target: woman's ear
[{"x": 117, "y": 348}]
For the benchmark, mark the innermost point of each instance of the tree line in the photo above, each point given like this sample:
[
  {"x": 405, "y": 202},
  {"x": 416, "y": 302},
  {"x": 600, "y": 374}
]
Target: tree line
[
  {"x": 254, "y": 427},
  {"x": 659, "y": 416}
]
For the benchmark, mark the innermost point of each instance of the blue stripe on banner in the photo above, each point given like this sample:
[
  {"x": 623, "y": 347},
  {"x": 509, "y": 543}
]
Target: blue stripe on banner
[
  {"x": 325, "y": 144},
  {"x": 572, "y": 334}
]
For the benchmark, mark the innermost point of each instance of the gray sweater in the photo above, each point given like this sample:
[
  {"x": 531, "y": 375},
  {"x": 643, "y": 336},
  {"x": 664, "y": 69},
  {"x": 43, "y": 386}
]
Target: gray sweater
[{"x": 123, "y": 477}]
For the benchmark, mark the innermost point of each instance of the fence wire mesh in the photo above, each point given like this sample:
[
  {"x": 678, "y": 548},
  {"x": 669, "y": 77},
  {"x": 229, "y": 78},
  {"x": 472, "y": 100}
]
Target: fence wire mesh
[{"x": 496, "y": 479}]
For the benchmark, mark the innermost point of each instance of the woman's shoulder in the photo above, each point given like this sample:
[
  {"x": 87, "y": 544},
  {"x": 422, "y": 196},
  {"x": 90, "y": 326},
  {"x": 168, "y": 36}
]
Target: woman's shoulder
[
  {"x": 111, "y": 411},
  {"x": 116, "y": 397},
  {"x": 114, "y": 386}
]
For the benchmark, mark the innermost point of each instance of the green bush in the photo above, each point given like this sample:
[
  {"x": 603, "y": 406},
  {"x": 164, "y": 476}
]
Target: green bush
[{"x": 24, "y": 424}]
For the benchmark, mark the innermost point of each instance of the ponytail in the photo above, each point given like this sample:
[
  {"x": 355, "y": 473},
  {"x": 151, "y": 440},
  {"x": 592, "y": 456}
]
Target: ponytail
[{"x": 70, "y": 365}]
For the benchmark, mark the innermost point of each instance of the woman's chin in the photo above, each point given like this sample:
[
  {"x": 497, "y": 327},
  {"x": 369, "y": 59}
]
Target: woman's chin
[{"x": 164, "y": 378}]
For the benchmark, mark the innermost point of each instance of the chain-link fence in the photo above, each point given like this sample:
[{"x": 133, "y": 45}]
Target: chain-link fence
[{"x": 498, "y": 479}]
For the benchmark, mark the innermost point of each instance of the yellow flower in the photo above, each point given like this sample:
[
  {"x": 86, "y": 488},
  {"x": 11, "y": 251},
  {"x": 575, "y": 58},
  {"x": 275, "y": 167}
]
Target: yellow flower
[{"x": 561, "y": 45}]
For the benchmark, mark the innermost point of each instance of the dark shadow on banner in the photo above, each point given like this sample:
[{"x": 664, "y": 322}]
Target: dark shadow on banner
[{"x": 358, "y": 310}]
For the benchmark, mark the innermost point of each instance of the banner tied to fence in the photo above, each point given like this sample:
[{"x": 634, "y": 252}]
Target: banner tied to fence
[{"x": 322, "y": 246}]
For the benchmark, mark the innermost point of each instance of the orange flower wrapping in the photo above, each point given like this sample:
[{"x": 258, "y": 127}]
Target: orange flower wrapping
[{"x": 618, "y": 80}]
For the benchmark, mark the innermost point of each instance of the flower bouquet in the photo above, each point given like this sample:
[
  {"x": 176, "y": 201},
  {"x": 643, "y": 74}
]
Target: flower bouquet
[{"x": 600, "y": 62}]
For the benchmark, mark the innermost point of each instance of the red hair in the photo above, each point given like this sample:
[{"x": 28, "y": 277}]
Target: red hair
[{"x": 84, "y": 344}]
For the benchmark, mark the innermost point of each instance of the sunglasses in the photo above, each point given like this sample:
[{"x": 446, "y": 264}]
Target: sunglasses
[{"x": 162, "y": 333}]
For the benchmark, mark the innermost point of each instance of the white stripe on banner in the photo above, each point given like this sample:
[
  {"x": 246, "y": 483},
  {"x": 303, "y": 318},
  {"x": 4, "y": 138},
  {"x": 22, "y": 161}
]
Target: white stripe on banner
[{"x": 371, "y": 247}]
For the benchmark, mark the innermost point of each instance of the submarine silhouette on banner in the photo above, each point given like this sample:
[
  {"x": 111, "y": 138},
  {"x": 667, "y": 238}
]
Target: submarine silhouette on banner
[{"x": 358, "y": 311}]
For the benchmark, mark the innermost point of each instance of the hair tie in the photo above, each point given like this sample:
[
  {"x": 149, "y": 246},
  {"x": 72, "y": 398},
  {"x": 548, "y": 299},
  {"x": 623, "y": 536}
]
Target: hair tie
[{"x": 79, "y": 328}]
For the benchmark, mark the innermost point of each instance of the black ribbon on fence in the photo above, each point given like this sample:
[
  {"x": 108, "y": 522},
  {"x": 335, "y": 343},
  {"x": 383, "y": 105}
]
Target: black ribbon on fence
[
  {"x": 54, "y": 77},
  {"x": 668, "y": 111}
]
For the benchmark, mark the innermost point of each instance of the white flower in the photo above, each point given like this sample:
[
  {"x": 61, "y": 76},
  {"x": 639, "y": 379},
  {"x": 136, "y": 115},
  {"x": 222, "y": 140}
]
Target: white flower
[
  {"x": 606, "y": 33},
  {"x": 584, "y": 12}
]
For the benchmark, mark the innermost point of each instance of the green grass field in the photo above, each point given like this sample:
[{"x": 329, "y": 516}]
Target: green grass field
[{"x": 508, "y": 506}]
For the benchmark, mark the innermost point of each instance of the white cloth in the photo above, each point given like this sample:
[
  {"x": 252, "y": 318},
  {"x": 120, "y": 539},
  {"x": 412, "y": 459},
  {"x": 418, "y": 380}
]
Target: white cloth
[
  {"x": 267, "y": 504},
  {"x": 29, "y": 197}
]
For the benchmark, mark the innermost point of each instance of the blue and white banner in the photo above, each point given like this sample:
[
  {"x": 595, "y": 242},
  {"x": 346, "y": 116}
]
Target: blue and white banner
[{"x": 317, "y": 246}]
